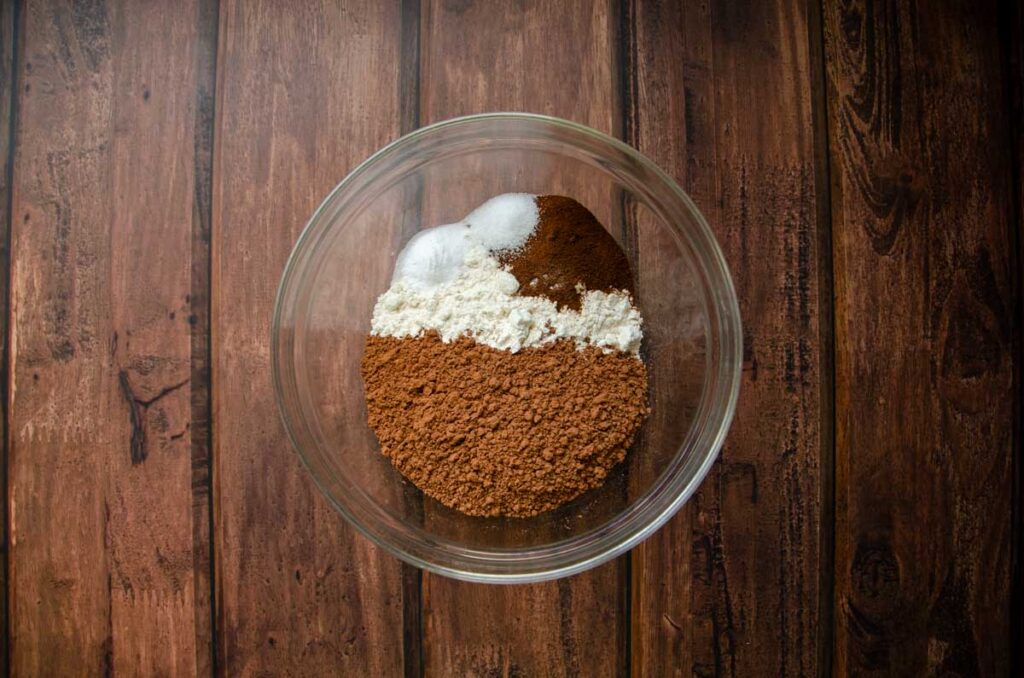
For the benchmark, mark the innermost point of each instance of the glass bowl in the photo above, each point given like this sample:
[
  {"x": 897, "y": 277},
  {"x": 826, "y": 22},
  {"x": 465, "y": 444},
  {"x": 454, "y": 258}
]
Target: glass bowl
[{"x": 343, "y": 261}]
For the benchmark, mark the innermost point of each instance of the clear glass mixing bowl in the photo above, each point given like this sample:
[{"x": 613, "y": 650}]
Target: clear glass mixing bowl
[{"x": 436, "y": 175}]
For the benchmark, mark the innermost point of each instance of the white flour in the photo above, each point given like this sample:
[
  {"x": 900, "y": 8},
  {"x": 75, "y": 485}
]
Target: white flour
[{"x": 479, "y": 299}]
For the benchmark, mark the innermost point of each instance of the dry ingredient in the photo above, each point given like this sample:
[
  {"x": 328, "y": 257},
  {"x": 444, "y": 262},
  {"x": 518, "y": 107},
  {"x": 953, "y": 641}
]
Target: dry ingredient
[
  {"x": 489, "y": 432},
  {"x": 502, "y": 372},
  {"x": 483, "y": 301},
  {"x": 569, "y": 251},
  {"x": 436, "y": 256}
]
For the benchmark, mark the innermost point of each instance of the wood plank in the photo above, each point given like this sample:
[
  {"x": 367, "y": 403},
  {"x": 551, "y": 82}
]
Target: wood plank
[
  {"x": 558, "y": 59},
  {"x": 8, "y": 50},
  {"x": 101, "y": 562},
  {"x": 925, "y": 360},
  {"x": 722, "y": 100},
  {"x": 305, "y": 91}
]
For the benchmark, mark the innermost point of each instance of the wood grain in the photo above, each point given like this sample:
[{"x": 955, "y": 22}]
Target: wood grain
[
  {"x": 558, "y": 59},
  {"x": 305, "y": 91},
  {"x": 102, "y": 562},
  {"x": 8, "y": 50},
  {"x": 722, "y": 99},
  {"x": 925, "y": 394},
  {"x": 163, "y": 159}
]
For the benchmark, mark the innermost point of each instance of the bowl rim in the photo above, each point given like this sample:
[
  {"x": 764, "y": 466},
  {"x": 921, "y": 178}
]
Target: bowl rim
[{"x": 731, "y": 328}]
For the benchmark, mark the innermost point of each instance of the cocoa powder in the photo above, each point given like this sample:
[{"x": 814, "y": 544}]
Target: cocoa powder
[
  {"x": 568, "y": 247},
  {"x": 490, "y": 432}
]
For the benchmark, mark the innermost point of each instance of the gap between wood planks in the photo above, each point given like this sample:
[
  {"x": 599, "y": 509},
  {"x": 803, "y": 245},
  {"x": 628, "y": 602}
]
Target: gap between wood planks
[
  {"x": 1012, "y": 34},
  {"x": 201, "y": 340},
  {"x": 409, "y": 112},
  {"x": 827, "y": 327},
  {"x": 626, "y": 90},
  {"x": 10, "y": 15}
]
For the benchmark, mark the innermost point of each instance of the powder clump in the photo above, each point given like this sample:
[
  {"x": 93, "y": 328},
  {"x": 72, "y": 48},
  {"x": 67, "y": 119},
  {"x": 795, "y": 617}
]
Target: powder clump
[
  {"x": 504, "y": 222},
  {"x": 568, "y": 252},
  {"x": 484, "y": 302},
  {"x": 489, "y": 432}
]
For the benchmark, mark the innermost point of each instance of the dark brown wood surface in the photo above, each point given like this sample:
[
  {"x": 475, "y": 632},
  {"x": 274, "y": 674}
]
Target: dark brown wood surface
[
  {"x": 102, "y": 563},
  {"x": 859, "y": 162},
  {"x": 7, "y": 21},
  {"x": 923, "y": 211},
  {"x": 297, "y": 591},
  {"x": 754, "y": 526}
]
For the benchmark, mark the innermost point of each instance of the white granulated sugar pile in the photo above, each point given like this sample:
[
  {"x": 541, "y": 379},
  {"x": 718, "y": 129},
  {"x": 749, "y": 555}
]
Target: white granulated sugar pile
[
  {"x": 433, "y": 257},
  {"x": 447, "y": 280},
  {"x": 504, "y": 222}
]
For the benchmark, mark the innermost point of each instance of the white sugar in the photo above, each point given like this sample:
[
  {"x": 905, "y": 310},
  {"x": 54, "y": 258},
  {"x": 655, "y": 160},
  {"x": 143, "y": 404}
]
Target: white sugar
[
  {"x": 433, "y": 257},
  {"x": 505, "y": 222}
]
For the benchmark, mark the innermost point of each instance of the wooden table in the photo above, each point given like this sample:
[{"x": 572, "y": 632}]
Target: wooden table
[{"x": 860, "y": 165}]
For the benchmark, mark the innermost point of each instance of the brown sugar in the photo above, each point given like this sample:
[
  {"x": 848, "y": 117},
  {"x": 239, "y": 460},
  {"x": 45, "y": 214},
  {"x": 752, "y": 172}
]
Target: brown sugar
[
  {"x": 490, "y": 432},
  {"x": 569, "y": 247}
]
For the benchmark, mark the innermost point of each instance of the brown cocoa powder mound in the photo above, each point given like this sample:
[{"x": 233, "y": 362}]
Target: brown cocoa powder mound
[
  {"x": 569, "y": 247},
  {"x": 490, "y": 432}
]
